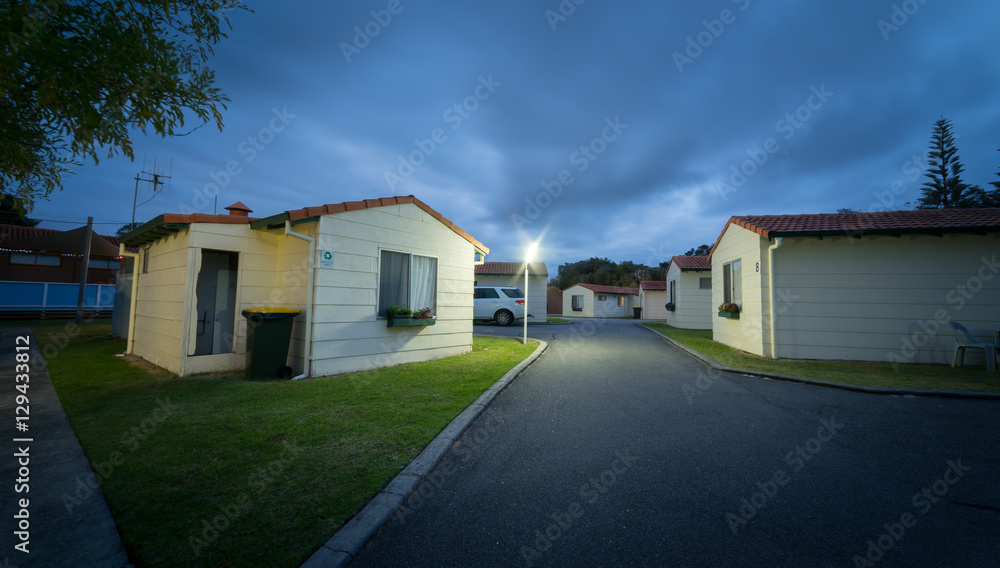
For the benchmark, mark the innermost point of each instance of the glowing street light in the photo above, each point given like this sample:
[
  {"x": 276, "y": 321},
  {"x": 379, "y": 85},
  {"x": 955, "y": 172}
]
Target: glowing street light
[{"x": 528, "y": 257}]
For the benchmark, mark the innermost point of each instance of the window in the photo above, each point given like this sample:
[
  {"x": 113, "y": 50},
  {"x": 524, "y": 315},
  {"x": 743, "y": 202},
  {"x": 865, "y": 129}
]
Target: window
[
  {"x": 578, "y": 303},
  {"x": 407, "y": 280},
  {"x": 145, "y": 261},
  {"x": 673, "y": 292},
  {"x": 732, "y": 282},
  {"x": 512, "y": 292},
  {"x": 33, "y": 258},
  {"x": 705, "y": 283},
  {"x": 112, "y": 264},
  {"x": 601, "y": 298},
  {"x": 621, "y": 301},
  {"x": 488, "y": 293}
]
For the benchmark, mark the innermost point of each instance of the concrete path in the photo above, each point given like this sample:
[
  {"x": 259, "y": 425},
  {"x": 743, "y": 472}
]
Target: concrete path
[
  {"x": 616, "y": 449},
  {"x": 68, "y": 522}
]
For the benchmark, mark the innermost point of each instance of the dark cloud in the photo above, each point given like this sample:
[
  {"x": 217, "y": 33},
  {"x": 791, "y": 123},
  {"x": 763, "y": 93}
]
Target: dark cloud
[{"x": 654, "y": 190}]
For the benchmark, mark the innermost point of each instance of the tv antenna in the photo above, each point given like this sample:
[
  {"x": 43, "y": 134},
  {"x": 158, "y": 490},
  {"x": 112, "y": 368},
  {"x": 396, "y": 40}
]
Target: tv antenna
[{"x": 154, "y": 181}]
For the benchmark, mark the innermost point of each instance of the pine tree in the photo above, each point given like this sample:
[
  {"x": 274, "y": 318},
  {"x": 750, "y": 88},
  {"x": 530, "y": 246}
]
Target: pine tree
[{"x": 945, "y": 190}]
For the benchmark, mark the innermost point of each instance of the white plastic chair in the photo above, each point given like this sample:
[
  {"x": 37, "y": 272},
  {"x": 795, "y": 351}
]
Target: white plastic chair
[{"x": 965, "y": 341}]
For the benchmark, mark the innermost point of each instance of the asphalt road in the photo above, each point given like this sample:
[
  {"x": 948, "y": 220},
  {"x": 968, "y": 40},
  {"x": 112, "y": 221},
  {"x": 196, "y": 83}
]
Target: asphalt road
[{"x": 616, "y": 449}]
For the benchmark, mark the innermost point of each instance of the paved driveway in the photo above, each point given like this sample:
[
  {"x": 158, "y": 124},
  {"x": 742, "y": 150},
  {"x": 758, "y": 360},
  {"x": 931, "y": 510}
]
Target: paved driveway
[{"x": 615, "y": 449}]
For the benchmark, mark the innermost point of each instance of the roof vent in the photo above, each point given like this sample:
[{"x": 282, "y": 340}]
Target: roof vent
[{"x": 238, "y": 209}]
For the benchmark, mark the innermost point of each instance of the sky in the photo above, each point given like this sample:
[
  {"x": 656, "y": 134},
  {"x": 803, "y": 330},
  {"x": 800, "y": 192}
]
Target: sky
[{"x": 626, "y": 130}]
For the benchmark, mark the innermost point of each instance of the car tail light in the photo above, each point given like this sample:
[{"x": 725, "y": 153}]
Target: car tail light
[{"x": 520, "y": 301}]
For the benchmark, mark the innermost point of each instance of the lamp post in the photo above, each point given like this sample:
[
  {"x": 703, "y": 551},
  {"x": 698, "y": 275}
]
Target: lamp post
[{"x": 528, "y": 257}]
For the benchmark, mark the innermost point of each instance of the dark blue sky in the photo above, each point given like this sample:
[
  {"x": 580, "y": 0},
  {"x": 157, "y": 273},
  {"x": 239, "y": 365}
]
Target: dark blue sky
[{"x": 636, "y": 116}]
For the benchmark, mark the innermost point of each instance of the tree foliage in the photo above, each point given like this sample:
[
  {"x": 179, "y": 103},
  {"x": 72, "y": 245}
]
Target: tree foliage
[
  {"x": 945, "y": 188},
  {"x": 702, "y": 250},
  {"x": 78, "y": 75},
  {"x": 11, "y": 214},
  {"x": 605, "y": 272}
]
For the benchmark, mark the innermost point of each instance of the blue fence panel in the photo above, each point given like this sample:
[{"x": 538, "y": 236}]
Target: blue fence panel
[{"x": 54, "y": 296}]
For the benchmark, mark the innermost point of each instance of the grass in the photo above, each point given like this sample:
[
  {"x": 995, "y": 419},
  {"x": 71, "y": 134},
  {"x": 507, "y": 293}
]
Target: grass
[
  {"x": 276, "y": 467},
  {"x": 861, "y": 373},
  {"x": 549, "y": 320}
]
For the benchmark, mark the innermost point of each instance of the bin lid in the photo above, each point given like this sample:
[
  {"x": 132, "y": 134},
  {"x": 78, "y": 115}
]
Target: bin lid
[{"x": 272, "y": 311}]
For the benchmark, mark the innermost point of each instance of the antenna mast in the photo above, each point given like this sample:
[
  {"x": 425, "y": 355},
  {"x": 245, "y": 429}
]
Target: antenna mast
[{"x": 154, "y": 181}]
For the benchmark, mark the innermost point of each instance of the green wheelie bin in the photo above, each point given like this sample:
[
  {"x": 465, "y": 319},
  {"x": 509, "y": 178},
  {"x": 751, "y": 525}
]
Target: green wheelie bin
[{"x": 269, "y": 330}]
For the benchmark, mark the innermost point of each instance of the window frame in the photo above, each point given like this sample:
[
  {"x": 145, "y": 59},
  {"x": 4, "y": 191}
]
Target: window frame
[
  {"x": 701, "y": 281},
  {"x": 621, "y": 301},
  {"x": 34, "y": 256},
  {"x": 379, "y": 310},
  {"x": 732, "y": 282},
  {"x": 573, "y": 302},
  {"x": 672, "y": 292}
]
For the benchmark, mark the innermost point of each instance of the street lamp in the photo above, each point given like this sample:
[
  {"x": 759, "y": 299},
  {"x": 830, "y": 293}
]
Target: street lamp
[{"x": 528, "y": 257}]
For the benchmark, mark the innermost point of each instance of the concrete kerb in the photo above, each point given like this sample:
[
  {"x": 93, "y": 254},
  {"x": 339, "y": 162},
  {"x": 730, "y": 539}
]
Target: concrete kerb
[
  {"x": 340, "y": 549},
  {"x": 869, "y": 390}
]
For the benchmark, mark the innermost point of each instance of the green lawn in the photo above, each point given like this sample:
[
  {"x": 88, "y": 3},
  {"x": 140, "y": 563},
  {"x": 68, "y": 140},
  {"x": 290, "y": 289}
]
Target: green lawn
[
  {"x": 868, "y": 374},
  {"x": 275, "y": 466}
]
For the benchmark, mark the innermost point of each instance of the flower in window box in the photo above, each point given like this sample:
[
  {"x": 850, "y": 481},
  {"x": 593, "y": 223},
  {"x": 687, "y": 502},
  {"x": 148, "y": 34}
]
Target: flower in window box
[
  {"x": 396, "y": 311},
  {"x": 423, "y": 313},
  {"x": 670, "y": 306},
  {"x": 729, "y": 307}
]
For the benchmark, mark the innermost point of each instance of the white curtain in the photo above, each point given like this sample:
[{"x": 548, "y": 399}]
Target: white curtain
[
  {"x": 423, "y": 283},
  {"x": 393, "y": 280}
]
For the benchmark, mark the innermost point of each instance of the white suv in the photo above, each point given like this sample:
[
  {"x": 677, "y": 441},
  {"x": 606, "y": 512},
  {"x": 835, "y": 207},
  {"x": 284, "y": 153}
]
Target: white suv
[{"x": 501, "y": 304}]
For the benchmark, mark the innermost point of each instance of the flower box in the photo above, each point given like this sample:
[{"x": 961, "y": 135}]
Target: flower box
[
  {"x": 409, "y": 321},
  {"x": 730, "y": 315},
  {"x": 670, "y": 307}
]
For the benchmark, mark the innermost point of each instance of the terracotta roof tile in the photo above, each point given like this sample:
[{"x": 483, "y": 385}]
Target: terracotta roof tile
[
  {"x": 601, "y": 289},
  {"x": 328, "y": 209},
  {"x": 653, "y": 284},
  {"x": 857, "y": 224},
  {"x": 691, "y": 262},
  {"x": 510, "y": 268},
  {"x": 21, "y": 232}
]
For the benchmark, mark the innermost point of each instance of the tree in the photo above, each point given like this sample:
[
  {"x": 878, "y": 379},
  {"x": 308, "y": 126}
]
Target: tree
[
  {"x": 126, "y": 229},
  {"x": 76, "y": 76},
  {"x": 702, "y": 250},
  {"x": 945, "y": 190},
  {"x": 11, "y": 214}
]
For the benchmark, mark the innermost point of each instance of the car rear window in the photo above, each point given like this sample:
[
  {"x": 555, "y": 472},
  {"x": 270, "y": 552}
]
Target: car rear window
[
  {"x": 485, "y": 293},
  {"x": 512, "y": 292}
]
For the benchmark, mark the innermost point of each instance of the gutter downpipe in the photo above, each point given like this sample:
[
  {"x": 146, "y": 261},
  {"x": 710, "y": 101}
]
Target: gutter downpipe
[
  {"x": 309, "y": 300},
  {"x": 132, "y": 298},
  {"x": 770, "y": 291}
]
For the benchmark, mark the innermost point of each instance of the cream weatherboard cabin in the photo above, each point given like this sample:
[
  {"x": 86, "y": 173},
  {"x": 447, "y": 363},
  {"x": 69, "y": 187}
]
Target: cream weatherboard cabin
[
  {"x": 689, "y": 289},
  {"x": 653, "y": 299},
  {"x": 340, "y": 264},
  {"x": 511, "y": 274},
  {"x": 596, "y": 300},
  {"x": 861, "y": 286}
]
